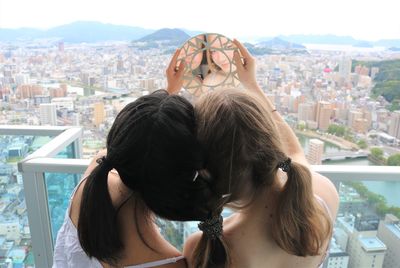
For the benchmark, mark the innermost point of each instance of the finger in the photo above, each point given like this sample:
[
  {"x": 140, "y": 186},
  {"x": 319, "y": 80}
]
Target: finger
[
  {"x": 246, "y": 54},
  {"x": 238, "y": 61},
  {"x": 172, "y": 64},
  {"x": 181, "y": 70}
]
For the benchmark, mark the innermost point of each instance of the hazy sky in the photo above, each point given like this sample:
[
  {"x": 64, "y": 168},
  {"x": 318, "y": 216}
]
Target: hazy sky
[{"x": 368, "y": 20}]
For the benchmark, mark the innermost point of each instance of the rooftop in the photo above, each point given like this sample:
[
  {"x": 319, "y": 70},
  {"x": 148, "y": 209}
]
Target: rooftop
[
  {"x": 371, "y": 244},
  {"x": 394, "y": 228}
]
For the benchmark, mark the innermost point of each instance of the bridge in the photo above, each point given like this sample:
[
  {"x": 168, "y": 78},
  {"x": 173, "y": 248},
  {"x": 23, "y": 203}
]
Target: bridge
[{"x": 343, "y": 155}]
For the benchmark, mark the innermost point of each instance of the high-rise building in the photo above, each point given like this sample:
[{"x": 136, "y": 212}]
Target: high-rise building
[
  {"x": 363, "y": 247},
  {"x": 394, "y": 127},
  {"x": 353, "y": 116},
  {"x": 361, "y": 70},
  {"x": 315, "y": 151},
  {"x": 345, "y": 68},
  {"x": 368, "y": 252},
  {"x": 75, "y": 119},
  {"x": 29, "y": 91},
  {"x": 98, "y": 113},
  {"x": 389, "y": 233},
  {"x": 374, "y": 71},
  {"x": 57, "y": 92},
  {"x": 360, "y": 125},
  {"x": 324, "y": 113},
  {"x": 48, "y": 114},
  {"x": 337, "y": 258},
  {"x": 306, "y": 112}
]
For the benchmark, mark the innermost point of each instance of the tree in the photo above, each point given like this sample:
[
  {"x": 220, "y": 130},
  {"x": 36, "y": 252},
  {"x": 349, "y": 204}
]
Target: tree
[
  {"x": 362, "y": 144},
  {"x": 394, "y": 160},
  {"x": 301, "y": 125},
  {"x": 377, "y": 152},
  {"x": 337, "y": 130}
]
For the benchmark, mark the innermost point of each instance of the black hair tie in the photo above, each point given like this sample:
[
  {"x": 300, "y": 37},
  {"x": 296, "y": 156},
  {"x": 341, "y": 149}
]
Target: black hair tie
[
  {"x": 104, "y": 163},
  {"x": 212, "y": 227},
  {"x": 285, "y": 165}
]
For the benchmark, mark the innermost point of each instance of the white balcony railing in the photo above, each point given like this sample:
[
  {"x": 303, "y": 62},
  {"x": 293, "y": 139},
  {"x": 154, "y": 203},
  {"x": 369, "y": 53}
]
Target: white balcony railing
[{"x": 42, "y": 161}]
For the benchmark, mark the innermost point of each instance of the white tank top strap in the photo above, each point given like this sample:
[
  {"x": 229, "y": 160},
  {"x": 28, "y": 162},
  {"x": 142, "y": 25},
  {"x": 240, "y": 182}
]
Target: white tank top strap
[
  {"x": 157, "y": 263},
  {"x": 323, "y": 203},
  {"x": 77, "y": 186}
]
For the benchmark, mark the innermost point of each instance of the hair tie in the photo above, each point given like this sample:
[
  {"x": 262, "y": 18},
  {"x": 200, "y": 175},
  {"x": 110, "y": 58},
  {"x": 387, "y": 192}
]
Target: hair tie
[
  {"x": 104, "y": 163},
  {"x": 212, "y": 227},
  {"x": 285, "y": 165}
]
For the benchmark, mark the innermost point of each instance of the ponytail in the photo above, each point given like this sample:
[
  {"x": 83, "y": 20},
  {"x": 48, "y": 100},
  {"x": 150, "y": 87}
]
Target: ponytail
[
  {"x": 211, "y": 250},
  {"x": 97, "y": 225},
  {"x": 299, "y": 227}
]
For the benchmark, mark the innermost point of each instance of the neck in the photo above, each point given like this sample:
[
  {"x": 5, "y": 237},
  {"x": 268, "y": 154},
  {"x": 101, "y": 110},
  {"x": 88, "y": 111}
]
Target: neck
[{"x": 263, "y": 205}]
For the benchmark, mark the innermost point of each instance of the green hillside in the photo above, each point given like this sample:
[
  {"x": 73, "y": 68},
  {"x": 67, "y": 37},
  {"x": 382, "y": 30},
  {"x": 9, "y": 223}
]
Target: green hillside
[{"x": 387, "y": 81}]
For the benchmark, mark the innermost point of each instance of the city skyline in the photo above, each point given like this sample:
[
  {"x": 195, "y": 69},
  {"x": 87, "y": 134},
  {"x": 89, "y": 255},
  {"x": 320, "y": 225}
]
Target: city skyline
[
  {"x": 327, "y": 101},
  {"x": 366, "y": 21}
]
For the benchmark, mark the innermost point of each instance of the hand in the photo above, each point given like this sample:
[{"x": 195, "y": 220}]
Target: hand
[
  {"x": 175, "y": 76},
  {"x": 247, "y": 68}
]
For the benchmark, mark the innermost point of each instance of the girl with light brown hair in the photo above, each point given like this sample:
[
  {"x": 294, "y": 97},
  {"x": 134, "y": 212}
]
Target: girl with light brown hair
[{"x": 284, "y": 211}]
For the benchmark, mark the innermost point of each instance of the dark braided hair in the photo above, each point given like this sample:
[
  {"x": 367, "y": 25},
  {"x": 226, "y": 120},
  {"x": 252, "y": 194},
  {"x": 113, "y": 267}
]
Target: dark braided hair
[{"x": 153, "y": 147}]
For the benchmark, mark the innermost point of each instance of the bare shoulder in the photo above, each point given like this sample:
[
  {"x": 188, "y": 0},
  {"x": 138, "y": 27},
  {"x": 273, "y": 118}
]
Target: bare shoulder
[
  {"x": 190, "y": 246},
  {"x": 325, "y": 189}
]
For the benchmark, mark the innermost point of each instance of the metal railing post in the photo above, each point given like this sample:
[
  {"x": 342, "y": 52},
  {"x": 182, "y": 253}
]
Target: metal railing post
[{"x": 39, "y": 218}]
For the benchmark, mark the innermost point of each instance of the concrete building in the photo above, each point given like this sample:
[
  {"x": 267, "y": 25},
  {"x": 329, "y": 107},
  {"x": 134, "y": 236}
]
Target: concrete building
[
  {"x": 345, "y": 68},
  {"x": 324, "y": 112},
  {"x": 58, "y": 92},
  {"x": 98, "y": 113},
  {"x": 315, "y": 152},
  {"x": 353, "y": 116},
  {"x": 362, "y": 70},
  {"x": 389, "y": 233},
  {"x": 48, "y": 114},
  {"x": 374, "y": 71},
  {"x": 363, "y": 247},
  {"x": 338, "y": 258},
  {"x": 10, "y": 227},
  {"x": 368, "y": 252},
  {"x": 306, "y": 111},
  {"x": 64, "y": 103},
  {"x": 360, "y": 125},
  {"x": 394, "y": 127},
  {"x": 28, "y": 91}
]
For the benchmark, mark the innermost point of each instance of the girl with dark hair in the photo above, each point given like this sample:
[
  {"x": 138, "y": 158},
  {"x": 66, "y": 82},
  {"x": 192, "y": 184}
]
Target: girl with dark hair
[
  {"x": 284, "y": 212},
  {"x": 150, "y": 168}
]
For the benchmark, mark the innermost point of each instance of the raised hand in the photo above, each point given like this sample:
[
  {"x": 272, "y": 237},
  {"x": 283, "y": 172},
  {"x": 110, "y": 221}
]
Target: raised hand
[
  {"x": 174, "y": 74},
  {"x": 246, "y": 68}
]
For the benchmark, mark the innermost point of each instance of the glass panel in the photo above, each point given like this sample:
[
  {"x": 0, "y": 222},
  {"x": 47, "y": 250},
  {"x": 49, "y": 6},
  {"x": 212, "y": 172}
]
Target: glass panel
[
  {"x": 173, "y": 231},
  {"x": 59, "y": 189},
  {"x": 67, "y": 152},
  {"x": 177, "y": 232},
  {"x": 15, "y": 238}
]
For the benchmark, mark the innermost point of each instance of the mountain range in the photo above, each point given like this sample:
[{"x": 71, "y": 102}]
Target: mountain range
[
  {"x": 172, "y": 36},
  {"x": 89, "y": 32}
]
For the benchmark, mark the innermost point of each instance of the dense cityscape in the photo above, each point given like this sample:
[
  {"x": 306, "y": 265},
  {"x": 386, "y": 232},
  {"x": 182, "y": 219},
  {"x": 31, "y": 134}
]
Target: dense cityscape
[{"x": 327, "y": 96}]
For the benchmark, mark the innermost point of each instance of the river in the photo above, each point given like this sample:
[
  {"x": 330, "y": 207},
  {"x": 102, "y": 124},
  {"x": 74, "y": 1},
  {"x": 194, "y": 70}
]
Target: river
[{"x": 389, "y": 189}]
